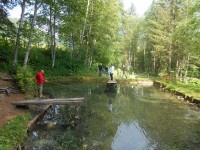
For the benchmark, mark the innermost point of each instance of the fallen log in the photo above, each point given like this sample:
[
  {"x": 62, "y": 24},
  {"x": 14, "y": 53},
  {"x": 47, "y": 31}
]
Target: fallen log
[
  {"x": 36, "y": 119},
  {"x": 68, "y": 101},
  {"x": 8, "y": 90}
]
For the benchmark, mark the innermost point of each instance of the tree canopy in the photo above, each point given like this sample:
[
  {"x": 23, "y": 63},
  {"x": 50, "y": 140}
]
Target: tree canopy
[{"x": 73, "y": 34}]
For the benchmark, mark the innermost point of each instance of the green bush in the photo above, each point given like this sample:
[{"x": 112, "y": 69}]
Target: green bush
[{"x": 25, "y": 79}]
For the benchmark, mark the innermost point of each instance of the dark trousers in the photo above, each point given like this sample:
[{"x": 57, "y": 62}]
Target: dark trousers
[
  {"x": 100, "y": 73},
  {"x": 111, "y": 76}
]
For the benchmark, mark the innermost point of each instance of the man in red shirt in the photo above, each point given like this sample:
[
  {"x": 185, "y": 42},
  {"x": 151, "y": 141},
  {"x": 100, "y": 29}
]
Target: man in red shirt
[{"x": 40, "y": 80}]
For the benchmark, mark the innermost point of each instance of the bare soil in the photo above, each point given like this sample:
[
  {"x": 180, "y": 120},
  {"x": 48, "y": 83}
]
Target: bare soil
[{"x": 7, "y": 110}]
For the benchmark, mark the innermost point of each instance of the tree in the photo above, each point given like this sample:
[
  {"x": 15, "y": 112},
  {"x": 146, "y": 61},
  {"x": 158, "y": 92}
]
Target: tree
[
  {"x": 19, "y": 32},
  {"x": 7, "y": 28},
  {"x": 36, "y": 6},
  {"x": 162, "y": 28}
]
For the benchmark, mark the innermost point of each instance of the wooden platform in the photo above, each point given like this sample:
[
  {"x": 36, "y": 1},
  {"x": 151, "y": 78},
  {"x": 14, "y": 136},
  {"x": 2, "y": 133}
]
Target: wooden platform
[
  {"x": 112, "y": 81},
  {"x": 111, "y": 84},
  {"x": 66, "y": 101}
]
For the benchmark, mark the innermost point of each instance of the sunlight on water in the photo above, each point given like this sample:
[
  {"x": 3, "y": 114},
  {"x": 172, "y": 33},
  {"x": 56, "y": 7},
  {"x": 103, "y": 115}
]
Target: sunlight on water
[{"x": 130, "y": 133}]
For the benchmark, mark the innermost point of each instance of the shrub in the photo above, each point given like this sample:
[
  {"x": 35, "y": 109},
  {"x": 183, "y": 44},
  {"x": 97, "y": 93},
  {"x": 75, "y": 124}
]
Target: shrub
[{"x": 25, "y": 79}]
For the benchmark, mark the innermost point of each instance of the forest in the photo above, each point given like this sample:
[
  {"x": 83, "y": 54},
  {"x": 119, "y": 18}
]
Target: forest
[{"x": 66, "y": 37}]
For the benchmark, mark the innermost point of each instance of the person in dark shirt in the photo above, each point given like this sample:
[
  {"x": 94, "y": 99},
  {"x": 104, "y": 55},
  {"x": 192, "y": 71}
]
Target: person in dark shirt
[
  {"x": 100, "y": 68},
  {"x": 106, "y": 71}
]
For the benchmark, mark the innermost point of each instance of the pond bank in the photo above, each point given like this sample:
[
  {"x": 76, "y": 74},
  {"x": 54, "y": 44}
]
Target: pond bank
[{"x": 178, "y": 94}]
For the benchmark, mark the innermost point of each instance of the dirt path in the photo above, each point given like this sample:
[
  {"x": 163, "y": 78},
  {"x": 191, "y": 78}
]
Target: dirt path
[{"x": 7, "y": 110}]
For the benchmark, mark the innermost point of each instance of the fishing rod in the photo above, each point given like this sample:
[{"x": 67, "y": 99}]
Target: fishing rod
[
  {"x": 65, "y": 86},
  {"x": 57, "y": 83}
]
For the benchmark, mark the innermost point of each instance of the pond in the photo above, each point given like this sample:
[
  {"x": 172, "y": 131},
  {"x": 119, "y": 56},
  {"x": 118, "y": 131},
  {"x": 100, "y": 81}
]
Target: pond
[{"x": 130, "y": 118}]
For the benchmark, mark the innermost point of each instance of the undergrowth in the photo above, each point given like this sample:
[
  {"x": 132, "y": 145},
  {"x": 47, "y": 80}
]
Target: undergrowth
[{"x": 14, "y": 132}]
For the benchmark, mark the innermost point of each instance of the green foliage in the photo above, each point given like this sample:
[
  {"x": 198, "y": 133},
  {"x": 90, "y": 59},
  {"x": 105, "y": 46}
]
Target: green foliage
[
  {"x": 25, "y": 79},
  {"x": 7, "y": 28},
  {"x": 64, "y": 66},
  {"x": 103, "y": 32},
  {"x": 194, "y": 81},
  {"x": 5, "y": 54},
  {"x": 13, "y": 132}
]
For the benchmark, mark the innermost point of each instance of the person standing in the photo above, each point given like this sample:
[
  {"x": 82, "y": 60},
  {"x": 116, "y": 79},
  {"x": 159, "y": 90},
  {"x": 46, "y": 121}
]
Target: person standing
[
  {"x": 124, "y": 71},
  {"x": 111, "y": 71},
  {"x": 40, "y": 80},
  {"x": 106, "y": 70},
  {"x": 100, "y": 68}
]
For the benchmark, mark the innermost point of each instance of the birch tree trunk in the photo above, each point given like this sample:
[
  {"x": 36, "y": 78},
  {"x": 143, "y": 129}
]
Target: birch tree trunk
[
  {"x": 169, "y": 61},
  {"x": 181, "y": 70},
  {"x": 134, "y": 60},
  {"x": 90, "y": 43},
  {"x": 52, "y": 34},
  {"x": 72, "y": 50},
  {"x": 154, "y": 61},
  {"x": 19, "y": 32},
  {"x": 31, "y": 33},
  {"x": 186, "y": 70},
  {"x": 85, "y": 22},
  {"x": 177, "y": 68},
  {"x": 53, "y": 53},
  {"x": 144, "y": 57},
  {"x": 51, "y": 30}
]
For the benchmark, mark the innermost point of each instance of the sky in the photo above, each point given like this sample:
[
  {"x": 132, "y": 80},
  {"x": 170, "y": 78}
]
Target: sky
[{"x": 140, "y": 5}]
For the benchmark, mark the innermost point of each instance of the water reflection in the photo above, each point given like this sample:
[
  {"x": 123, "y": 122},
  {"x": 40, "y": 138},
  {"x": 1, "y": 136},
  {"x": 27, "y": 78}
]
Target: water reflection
[
  {"x": 110, "y": 104},
  {"x": 131, "y": 133},
  {"x": 138, "y": 90},
  {"x": 123, "y": 118}
]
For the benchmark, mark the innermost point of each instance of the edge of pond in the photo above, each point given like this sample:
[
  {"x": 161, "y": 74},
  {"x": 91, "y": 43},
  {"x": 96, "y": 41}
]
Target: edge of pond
[{"x": 179, "y": 95}]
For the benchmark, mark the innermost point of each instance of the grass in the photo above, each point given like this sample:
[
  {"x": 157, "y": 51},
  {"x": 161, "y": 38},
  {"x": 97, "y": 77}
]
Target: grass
[
  {"x": 14, "y": 132},
  {"x": 188, "y": 89}
]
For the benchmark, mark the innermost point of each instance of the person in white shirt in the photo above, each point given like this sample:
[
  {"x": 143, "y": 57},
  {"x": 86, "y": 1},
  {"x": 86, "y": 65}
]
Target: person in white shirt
[{"x": 111, "y": 71}]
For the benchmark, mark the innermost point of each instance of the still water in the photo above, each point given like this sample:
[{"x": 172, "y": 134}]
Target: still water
[{"x": 131, "y": 118}]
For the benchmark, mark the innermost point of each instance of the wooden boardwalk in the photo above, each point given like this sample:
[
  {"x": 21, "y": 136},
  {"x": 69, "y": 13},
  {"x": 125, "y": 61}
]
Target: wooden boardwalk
[{"x": 66, "y": 101}]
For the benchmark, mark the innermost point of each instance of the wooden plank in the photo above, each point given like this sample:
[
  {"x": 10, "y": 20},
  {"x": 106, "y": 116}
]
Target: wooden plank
[
  {"x": 46, "y": 103},
  {"x": 37, "y": 118},
  {"x": 51, "y": 100},
  {"x": 63, "y": 99},
  {"x": 68, "y": 101},
  {"x": 112, "y": 82}
]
